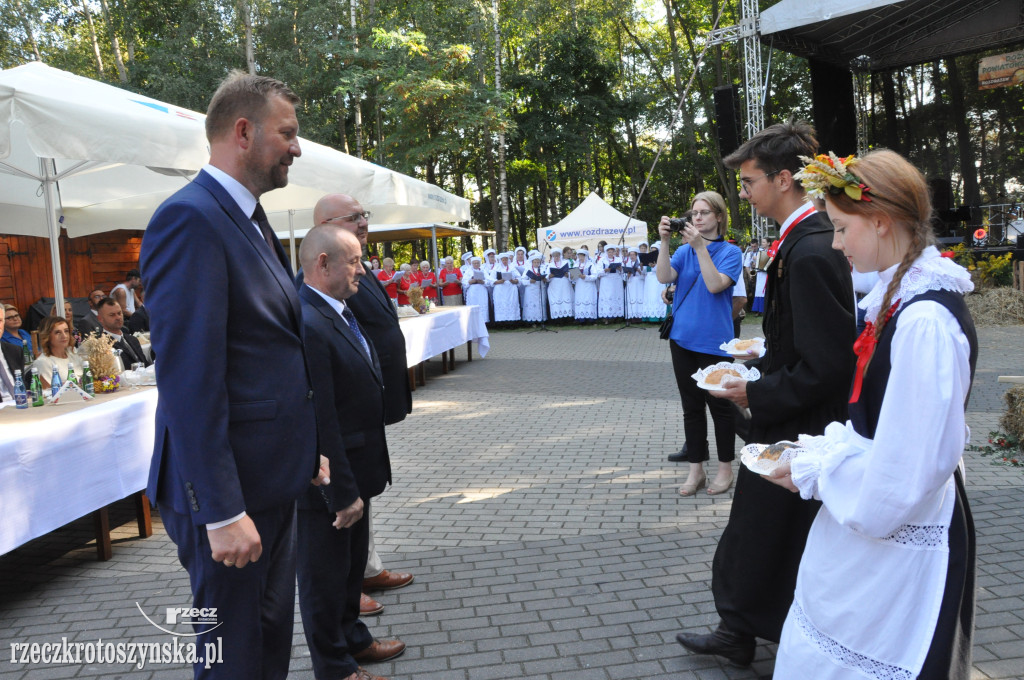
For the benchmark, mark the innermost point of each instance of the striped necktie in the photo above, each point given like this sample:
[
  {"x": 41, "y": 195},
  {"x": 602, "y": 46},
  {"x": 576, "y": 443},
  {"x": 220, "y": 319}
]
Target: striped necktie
[{"x": 354, "y": 325}]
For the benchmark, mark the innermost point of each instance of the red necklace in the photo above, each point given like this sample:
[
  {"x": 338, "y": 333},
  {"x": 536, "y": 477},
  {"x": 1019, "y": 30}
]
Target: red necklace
[{"x": 864, "y": 348}]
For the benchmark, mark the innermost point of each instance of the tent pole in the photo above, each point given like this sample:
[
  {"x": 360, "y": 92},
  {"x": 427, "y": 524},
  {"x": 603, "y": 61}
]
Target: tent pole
[
  {"x": 437, "y": 269},
  {"x": 291, "y": 237},
  {"x": 46, "y": 173}
]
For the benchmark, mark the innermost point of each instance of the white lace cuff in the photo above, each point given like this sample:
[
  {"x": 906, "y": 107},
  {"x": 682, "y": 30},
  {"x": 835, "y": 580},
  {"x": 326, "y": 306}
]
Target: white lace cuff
[{"x": 806, "y": 468}]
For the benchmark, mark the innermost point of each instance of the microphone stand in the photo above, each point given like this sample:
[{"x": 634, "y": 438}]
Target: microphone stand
[{"x": 625, "y": 296}]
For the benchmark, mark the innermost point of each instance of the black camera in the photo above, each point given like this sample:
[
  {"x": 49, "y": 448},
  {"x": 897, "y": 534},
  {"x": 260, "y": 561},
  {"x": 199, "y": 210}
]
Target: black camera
[{"x": 676, "y": 224}]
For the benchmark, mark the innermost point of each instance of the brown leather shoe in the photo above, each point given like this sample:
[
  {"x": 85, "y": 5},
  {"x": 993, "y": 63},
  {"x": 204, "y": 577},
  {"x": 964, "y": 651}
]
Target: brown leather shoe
[
  {"x": 369, "y": 606},
  {"x": 387, "y": 580},
  {"x": 380, "y": 650},
  {"x": 363, "y": 674}
]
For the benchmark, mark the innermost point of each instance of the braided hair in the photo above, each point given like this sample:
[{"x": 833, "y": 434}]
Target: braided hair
[{"x": 898, "y": 190}]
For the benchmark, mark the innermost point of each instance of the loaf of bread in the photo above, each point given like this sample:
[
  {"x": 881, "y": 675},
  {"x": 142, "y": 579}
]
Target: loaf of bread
[
  {"x": 744, "y": 345},
  {"x": 715, "y": 377},
  {"x": 775, "y": 450}
]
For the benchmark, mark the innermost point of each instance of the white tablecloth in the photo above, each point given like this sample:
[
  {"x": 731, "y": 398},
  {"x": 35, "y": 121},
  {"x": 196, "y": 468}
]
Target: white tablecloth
[
  {"x": 445, "y": 328},
  {"x": 59, "y": 469}
]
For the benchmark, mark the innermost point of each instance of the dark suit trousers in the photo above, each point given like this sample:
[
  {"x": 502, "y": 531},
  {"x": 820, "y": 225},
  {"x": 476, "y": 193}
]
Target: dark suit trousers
[
  {"x": 255, "y": 604},
  {"x": 695, "y": 424},
  {"x": 330, "y": 568}
]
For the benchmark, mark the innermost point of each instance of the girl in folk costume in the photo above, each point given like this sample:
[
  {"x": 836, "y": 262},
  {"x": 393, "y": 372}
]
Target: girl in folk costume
[
  {"x": 634, "y": 284},
  {"x": 760, "y": 261},
  {"x": 475, "y": 284},
  {"x": 505, "y": 281},
  {"x": 886, "y": 582},
  {"x": 559, "y": 287},
  {"x": 533, "y": 289},
  {"x": 585, "y": 303},
  {"x": 655, "y": 308},
  {"x": 610, "y": 296}
]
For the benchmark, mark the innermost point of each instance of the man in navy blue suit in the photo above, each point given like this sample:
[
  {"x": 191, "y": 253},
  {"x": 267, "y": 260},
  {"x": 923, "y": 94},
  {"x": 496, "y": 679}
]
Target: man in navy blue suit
[
  {"x": 235, "y": 423},
  {"x": 333, "y": 526}
]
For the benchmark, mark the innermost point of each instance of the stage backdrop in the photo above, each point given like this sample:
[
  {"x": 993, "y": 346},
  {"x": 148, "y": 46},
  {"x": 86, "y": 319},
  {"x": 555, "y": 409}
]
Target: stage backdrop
[{"x": 592, "y": 221}]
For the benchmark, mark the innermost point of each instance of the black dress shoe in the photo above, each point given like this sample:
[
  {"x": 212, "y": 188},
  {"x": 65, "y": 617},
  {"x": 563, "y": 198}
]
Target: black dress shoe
[
  {"x": 679, "y": 456},
  {"x": 735, "y": 647}
]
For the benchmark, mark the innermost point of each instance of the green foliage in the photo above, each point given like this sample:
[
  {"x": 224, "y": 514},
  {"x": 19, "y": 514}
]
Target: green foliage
[{"x": 996, "y": 270}]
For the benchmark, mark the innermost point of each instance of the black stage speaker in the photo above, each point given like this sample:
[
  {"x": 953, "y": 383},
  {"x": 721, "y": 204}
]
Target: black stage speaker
[
  {"x": 727, "y": 118},
  {"x": 835, "y": 116}
]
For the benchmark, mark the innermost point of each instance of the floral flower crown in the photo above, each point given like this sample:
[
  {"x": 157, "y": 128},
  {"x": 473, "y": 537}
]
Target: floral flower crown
[{"x": 832, "y": 173}]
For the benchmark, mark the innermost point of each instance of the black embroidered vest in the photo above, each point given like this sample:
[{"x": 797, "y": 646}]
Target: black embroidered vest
[{"x": 864, "y": 412}]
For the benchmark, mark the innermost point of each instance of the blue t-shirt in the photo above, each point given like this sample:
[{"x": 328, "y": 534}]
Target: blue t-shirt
[
  {"x": 20, "y": 339},
  {"x": 701, "y": 320}
]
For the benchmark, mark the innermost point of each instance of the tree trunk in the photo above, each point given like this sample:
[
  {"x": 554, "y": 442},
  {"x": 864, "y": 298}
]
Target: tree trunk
[
  {"x": 122, "y": 75},
  {"x": 342, "y": 132},
  {"x": 969, "y": 173},
  {"x": 892, "y": 133},
  {"x": 92, "y": 37},
  {"x": 357, "y": 104},
  {"x": 27, "y": 28},
  {"x": 245, "y": 11},
  {"x": 945, "y": 165},
  {"x": 503, "y": 229}
]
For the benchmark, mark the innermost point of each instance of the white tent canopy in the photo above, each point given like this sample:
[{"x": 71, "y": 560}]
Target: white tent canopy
[
  {"x": 593, "y": 220},
  {"x": 102, "y": 158}
]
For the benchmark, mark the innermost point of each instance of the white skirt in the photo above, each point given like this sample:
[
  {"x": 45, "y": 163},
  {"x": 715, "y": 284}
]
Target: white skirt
[
  {"x": 533, "y": 303},
  {"x": 476, "y": 295},
  {"x": 610, "y": 297},
  {"x": 506, "y": 302},
  {"x": 635, "y": 297},
  {"x": 585, "y": 304},
  {"x": 654, "y": 306},
  {"x": 560, "y": 298}
]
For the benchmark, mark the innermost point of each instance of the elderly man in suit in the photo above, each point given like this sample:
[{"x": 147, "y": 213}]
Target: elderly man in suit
[
  {"x": 90, "y": 323},
  {"x": 235, "y": 423},
  {"x": 333, "y": 527},
  {"x": 379, "y": 319}
]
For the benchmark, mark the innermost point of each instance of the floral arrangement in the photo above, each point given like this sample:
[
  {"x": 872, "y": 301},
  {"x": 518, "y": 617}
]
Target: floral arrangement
[
  {"x": 417, "y": 301},
  {"x": 832, "y": 174},
  {"x": 107, "y": 384},
  {"x": 1006, "y": 448},
  {"x": 98, "y": 350}
]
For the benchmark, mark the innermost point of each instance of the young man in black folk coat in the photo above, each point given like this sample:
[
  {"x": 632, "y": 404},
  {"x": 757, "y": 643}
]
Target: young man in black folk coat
[{"x": 809, "y": 327}]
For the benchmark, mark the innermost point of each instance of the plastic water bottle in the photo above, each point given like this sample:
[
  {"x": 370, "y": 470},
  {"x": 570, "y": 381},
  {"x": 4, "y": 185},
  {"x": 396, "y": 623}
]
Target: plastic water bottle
[
  {"x": 20, "y": 395},
  {"x": 36, "y": 387},
  {"x": 87, "y": 384},
  {"x": 55, "y": 382}
]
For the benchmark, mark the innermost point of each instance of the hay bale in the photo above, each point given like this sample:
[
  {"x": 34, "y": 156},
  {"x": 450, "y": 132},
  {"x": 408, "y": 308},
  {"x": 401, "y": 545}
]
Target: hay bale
[
  {"x": 1012, "y": 421},
  {"x": 1002, "y": 306}
]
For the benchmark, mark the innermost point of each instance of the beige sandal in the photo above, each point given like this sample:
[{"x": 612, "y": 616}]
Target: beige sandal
[
  {"x": 716, "y": 487},
  {"x": 690, "y": 488}
]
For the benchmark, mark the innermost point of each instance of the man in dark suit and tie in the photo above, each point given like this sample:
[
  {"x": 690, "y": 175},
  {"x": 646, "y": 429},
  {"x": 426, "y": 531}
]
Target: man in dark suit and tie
[
  {"x": 333, "y": 527},
  {"x": 379, "y": 320},
  {"x": 12, "y": 360},
  {"x": 111, "y": 320},
  {"x": 90, "y": 323},
  {"x": 235, "y": 423}
]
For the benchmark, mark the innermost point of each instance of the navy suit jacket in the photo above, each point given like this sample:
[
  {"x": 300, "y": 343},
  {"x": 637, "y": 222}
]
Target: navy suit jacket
[
  {"x": 349, "y": 406},
  {"x": 235, "y": 424}
]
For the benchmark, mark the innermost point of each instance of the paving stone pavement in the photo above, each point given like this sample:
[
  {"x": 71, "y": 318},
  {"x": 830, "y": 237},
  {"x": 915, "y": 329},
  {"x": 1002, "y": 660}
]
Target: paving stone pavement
[{"x": 534, "y": 504}]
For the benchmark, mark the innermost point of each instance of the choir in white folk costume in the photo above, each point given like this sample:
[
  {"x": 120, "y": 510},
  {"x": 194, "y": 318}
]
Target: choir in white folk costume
[
  {"x": 886, "y": 582},
  {"x": 559, "y": 287},
  {"x": 532, "y": 281},
  {"x": 466, "y": 266},
  {"x": 585, "y": 302},
  {"x": 635, "y": 278},
  {"x": 610, "y": 294},
  {"x": 654, "y": 307},
  {"x": 505, "y": 287},
  {"x": 475, "y": 286}
]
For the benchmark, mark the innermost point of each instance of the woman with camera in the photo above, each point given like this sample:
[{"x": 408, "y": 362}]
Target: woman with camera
[{"x": 704, "y": 269}]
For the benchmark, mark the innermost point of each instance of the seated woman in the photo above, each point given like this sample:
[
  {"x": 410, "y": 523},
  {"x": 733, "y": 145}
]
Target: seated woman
[
  {"x": 13, "y": 332},
  {"x": 58, "y": 350},
  {"x": 69, "y": 315}
]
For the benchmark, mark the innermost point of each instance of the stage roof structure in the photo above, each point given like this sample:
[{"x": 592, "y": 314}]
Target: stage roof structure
[{"x": 880, "y": 34}]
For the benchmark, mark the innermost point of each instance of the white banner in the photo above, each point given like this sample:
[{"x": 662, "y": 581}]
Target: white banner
[{"x": 574, "y": 237}]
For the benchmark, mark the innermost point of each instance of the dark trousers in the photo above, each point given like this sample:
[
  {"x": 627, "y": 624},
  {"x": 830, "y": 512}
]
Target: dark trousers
[
  {"x": 255, "y": 604},
  {"x": 330, "y": 568},
  {"x": 695, "y": 425}
]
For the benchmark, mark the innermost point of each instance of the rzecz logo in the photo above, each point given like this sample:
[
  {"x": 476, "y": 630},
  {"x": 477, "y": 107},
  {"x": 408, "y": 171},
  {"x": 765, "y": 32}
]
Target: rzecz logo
[{"x": 191, "y": 616}]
